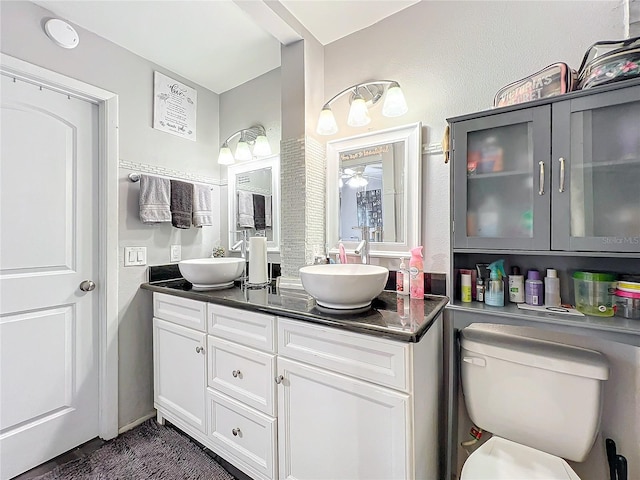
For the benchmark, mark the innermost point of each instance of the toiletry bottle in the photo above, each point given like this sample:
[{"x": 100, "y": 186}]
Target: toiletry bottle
[
  {"x": 533, "y": 288},
  {"x": 552, "y": 288},
  {"x": 516, "y": 286},
  {"x": 465, "y": 281},
  {"x": 480, "y": 289},
  {"x": 494, "y": 293},
  {"x": 402, "y": 279},
  {"x": 416, "y": 273}
]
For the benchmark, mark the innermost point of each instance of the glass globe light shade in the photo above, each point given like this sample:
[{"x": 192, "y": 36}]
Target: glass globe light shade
[
  {"x": 225, "y": 157},
  {"x": 261, "y": 148},
  {"x": 243, "y": 152},
  {"x": 358, "y": 113},
  {"x": 326, "y": 122},
  {"x": 394, "y": 102}
]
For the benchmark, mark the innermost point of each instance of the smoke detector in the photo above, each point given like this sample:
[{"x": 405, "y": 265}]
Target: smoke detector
[{"x": 63, "y": 34}]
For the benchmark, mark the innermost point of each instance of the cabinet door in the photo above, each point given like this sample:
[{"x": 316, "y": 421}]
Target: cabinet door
[
  {"x": 501, "y": 181},
  {"x": 596, "y": 171},
  {"x": 337, "y": 427},
  {"x": 179, "y": 372}
]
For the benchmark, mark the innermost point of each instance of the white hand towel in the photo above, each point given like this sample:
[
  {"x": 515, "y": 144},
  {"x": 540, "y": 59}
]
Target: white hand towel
[
  {"x": 245, "y": 209},
  {"x": 267, "y": 210},
  {"x": 202, "y": 210},
  {"x": 154, "y": 199}
]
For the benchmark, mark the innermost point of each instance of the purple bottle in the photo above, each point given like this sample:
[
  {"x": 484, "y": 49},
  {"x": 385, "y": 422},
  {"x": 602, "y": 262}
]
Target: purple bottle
[{"x": 534, "y": 289}]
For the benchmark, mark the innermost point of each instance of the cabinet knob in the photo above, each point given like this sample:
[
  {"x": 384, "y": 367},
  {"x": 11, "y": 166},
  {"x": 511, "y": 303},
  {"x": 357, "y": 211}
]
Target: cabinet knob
[
  {"x": 236, "y": 373},
  {"x": 236, "y": 432},
  {"x": 199, "y": 349},
  {"x": 541, "y": 179},
  {"x": 561, "y": 188},
  {"x": 279, "y": 379}
]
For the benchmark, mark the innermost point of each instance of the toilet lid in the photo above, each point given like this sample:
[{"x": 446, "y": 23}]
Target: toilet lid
[{"x": 500, "y": 459}]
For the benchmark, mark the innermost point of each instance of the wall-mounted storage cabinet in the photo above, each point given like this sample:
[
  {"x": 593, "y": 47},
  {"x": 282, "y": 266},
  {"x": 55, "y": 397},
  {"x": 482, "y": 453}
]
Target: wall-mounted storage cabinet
[{"x": 558, "y": 176}]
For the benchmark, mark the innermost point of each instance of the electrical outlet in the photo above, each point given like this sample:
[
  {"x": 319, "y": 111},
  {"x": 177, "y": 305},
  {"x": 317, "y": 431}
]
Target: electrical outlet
[
  {"x": 135, "y": 256},
  {"x": 175, "y": 253}
]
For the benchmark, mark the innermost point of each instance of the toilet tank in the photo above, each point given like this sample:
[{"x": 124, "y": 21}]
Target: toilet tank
[{"x": 542, "y": 394}]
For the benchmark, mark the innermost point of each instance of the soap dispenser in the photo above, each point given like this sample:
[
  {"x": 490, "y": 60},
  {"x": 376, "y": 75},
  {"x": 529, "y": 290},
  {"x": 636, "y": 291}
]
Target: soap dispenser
[{"x": 494, "y": 293}]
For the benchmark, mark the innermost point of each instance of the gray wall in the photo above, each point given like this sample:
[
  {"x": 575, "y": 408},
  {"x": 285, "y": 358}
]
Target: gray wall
[
  {"x": 450, "y": 58},
  {"x": 108, "y": 66}
]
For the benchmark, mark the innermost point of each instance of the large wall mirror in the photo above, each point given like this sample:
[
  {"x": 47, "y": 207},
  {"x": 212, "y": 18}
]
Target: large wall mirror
[
  {"x": 374, "y": 181},
  {"x": 254, "y": 200}
]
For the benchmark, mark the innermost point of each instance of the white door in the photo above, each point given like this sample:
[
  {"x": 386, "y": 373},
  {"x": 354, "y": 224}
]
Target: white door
[
  {"x": 331, "y": 426},
  {"x": 48, "y": 246}
]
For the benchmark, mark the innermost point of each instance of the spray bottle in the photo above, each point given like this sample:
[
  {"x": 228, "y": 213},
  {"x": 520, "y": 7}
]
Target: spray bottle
[
  {"x": 494, "y": 294},
  {"x": 416, "y": 273}
]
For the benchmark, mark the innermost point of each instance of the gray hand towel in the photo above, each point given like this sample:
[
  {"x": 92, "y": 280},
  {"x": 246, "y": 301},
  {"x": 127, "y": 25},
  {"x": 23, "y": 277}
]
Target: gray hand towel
[
  {"x": 258, "y": 212},
  {"x": 154, "y": 199},
  {"x": 202, "y": 210},
  {"x": 181, "y": 203}
]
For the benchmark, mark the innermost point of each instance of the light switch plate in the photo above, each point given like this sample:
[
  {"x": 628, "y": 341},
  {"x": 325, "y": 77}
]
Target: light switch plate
[
  {"x": 176, "y": 253},
  {"x": 135, "y": 256}
]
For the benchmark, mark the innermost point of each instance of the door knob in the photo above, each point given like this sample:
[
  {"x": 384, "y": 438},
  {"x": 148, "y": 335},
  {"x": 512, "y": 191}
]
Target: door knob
[{"x": 87, "y": 286}]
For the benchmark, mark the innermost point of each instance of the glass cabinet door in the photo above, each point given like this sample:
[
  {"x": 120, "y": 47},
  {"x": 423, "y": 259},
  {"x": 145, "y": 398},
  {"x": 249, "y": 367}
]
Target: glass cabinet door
[
  {"x": 596, "y": 155},
  {"x": 501, "y": 180}
]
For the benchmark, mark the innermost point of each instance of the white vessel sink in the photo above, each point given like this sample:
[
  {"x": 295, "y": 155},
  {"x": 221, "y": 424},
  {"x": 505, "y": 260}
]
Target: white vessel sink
[
  {"x": 344, "y": 286},
  {"x": 211, "y": 273}
]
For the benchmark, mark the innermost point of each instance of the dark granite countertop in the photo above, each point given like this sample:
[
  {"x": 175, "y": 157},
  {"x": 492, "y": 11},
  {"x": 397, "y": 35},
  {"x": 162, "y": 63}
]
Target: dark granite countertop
[{"x": 381, "y": 320}]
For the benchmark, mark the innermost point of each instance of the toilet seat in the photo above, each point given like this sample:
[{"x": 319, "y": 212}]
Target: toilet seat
[{"x": 501, "y": 459}]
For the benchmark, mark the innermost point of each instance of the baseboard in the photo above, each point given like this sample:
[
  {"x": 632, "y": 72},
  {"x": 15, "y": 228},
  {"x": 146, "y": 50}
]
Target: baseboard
[{"x": 137, "y": 422}]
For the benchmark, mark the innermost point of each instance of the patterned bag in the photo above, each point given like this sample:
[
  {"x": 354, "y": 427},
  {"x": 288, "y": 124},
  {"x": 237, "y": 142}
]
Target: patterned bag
[
  {"x": 610, "y": 61},
  {"x": 553, "y": 80}
]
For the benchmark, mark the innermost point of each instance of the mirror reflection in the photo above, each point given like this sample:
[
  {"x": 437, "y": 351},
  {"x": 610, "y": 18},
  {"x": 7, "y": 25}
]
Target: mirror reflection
[
  {"x": 254, "y": 200},
  {"x": 371, "y": 191}
]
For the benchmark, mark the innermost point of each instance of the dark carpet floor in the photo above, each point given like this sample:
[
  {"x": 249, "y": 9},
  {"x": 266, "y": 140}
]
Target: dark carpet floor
[{"x": 149, "y": 451}]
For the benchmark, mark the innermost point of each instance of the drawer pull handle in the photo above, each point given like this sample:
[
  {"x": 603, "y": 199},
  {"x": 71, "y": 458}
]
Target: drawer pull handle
[
  {"x": 199, "y": 349},
  {"x": 236, "y": 432},
  {"x": 279, "y": 379},
  {"x": 541, "y": 180},
  {"x": 236, "y": 373}
]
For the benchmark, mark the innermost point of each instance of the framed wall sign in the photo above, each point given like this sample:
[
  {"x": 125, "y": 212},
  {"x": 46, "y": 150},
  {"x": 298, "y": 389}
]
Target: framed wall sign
[{"x": 174, "y": 107}]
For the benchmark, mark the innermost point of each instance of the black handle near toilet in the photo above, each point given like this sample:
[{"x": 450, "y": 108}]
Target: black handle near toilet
[{"x": 610, "y": 446}]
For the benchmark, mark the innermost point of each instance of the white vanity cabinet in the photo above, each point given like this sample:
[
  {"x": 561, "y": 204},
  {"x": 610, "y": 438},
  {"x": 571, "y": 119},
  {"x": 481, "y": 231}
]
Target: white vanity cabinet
[
  {"x": 287, "y": 399},
  {"x": 241, "y": 404},
  {"x": 353, "y": 406},
  {"x": 179, "y": 359}
]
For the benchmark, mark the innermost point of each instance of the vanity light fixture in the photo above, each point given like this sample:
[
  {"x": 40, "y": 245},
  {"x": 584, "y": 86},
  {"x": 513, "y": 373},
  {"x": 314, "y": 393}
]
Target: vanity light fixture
[
  {"x": 256, "y": 136},
  {"x": 363, "y": 96}
]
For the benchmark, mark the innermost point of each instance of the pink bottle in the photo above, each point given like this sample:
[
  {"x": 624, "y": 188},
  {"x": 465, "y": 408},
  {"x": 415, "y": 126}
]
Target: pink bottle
[{"x": 416, "y": 273}]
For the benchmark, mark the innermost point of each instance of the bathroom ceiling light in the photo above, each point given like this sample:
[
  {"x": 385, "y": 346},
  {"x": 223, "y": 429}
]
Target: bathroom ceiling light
[
  {"x": 256, "y": 136},
  {"x": 363, "y": 96}
]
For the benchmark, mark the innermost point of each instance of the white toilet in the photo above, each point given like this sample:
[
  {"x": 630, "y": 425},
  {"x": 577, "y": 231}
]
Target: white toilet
[{"x": 541, "y": 401}]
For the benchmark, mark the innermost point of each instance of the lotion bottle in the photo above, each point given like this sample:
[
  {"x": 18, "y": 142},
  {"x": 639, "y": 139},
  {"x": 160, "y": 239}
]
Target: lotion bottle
[
  {"x": 416, "y": 273},
  {"x": 534, "y": 288},
  {"x": 552, "y": 288},
  {"x": 516, "y": 286},
  {"x": 402, "y": 279}
]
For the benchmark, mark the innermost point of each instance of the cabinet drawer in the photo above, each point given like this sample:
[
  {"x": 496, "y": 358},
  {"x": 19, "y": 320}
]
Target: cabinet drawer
[
  {"x": 183, "y": 311},
  {"x": 246, "y": 328},
  {"x": 246, "y": 436},
  {"x": 243, "y": 373},
  {"x": 362, "y": 356}
]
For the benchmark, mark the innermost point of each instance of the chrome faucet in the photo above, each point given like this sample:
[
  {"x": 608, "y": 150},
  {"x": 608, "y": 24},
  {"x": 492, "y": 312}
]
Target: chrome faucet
[
  {"x": 363, "y": 247},
  {"x": 241, "y": 245}
]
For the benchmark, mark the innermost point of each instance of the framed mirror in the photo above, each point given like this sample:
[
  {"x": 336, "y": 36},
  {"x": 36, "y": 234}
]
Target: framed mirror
[
  {"x": 373, "y": 180},
  {"x": 254, "y": 200}
]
